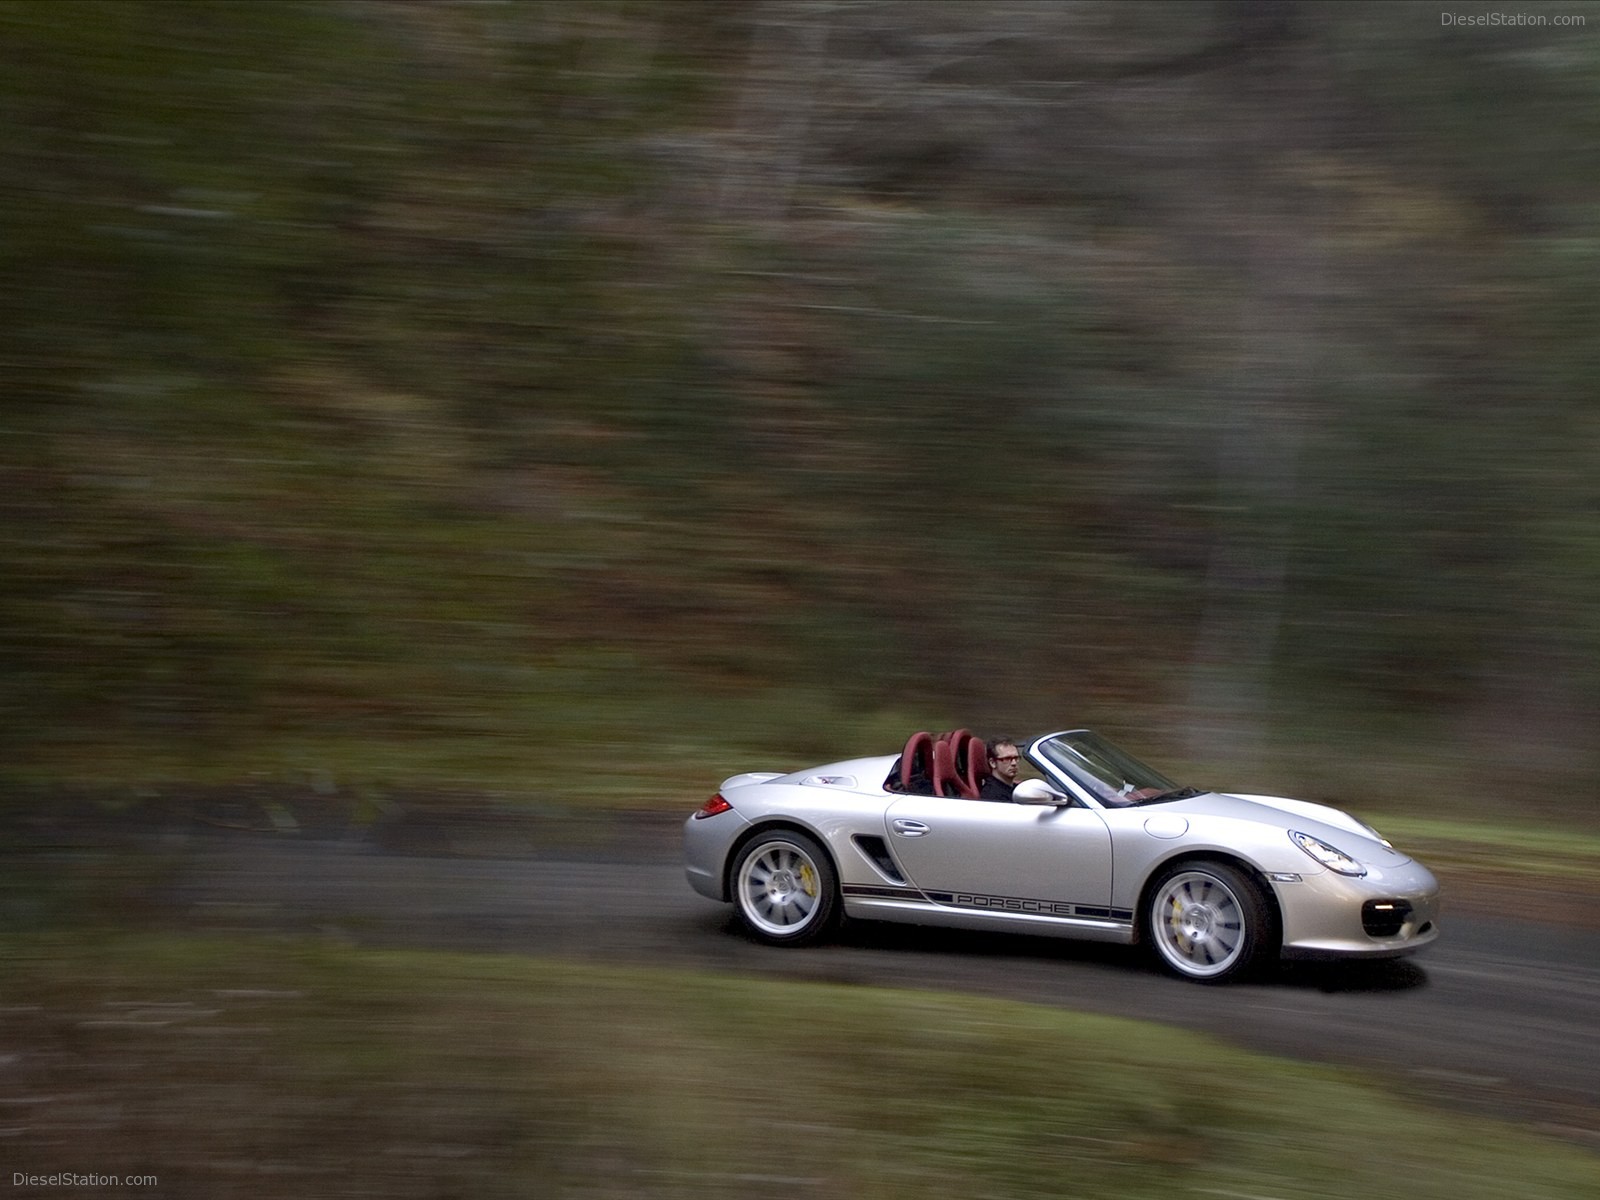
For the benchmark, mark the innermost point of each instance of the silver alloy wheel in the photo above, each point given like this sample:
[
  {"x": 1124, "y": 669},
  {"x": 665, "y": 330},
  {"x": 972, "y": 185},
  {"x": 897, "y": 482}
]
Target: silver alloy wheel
[
  {"x": 779, "y": 889},
  {"x": 1200, "y": 925}
]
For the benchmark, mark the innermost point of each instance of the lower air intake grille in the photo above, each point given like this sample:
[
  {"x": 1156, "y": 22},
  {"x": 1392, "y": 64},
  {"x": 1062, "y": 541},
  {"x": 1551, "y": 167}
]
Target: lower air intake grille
[{"x": 1384, "y": 918}]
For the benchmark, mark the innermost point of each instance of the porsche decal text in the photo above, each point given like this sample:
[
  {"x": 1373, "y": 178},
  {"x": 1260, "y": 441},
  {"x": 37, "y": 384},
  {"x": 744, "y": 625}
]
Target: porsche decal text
[
  {"x": 1050, "y": 908},
  {"x": 1026, "y": 904},
  {"x": 998, "y": 904}
]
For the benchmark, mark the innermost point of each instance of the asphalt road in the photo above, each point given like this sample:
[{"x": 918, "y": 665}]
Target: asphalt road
[{"x": 1499, "y": 1016}]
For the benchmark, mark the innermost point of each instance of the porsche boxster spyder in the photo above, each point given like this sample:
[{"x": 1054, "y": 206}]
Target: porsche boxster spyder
[{"x": 1098, "y": 846}]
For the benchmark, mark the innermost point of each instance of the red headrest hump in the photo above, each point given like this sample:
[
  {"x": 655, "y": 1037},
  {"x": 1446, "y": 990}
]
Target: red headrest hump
[
  {"x": 917, "y": 754},
  {"x": 977, "y": 766},
  {"x": 944, "y": 769},
  {"x": 958, "y": 747},
  {"x": 946, "y": 780}
]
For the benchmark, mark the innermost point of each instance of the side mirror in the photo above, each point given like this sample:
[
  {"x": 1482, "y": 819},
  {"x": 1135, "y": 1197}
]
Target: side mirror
[{"x": 1037, "y": 791}]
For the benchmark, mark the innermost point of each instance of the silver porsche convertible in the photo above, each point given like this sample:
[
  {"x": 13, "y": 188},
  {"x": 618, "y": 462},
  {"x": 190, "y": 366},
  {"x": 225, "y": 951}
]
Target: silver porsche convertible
[{"x": 1099, "y": 846}]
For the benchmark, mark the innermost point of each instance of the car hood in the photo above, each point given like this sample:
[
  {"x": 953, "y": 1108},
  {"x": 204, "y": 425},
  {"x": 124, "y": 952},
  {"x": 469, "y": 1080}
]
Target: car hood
[{"x": 1319, "y": 820}]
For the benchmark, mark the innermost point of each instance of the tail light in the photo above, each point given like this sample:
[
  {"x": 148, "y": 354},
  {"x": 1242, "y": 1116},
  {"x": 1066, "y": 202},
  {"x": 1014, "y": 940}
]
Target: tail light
[{"x": 712, "y": 807}]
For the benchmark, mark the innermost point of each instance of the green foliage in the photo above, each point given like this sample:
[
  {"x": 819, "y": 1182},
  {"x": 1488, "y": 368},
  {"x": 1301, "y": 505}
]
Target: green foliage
[{"x": 414, "y": 387}]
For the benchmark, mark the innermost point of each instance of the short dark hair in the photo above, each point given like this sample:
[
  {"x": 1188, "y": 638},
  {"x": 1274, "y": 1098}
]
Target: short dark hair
[{"x": 995, "y": 743}]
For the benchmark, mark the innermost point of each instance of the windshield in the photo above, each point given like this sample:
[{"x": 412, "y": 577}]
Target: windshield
[{"x": 1113, "y": 777}]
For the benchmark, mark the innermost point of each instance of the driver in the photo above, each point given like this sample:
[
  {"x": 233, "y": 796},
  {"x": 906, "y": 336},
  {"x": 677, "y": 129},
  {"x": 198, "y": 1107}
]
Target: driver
[{"x": 1003, "y": 763}]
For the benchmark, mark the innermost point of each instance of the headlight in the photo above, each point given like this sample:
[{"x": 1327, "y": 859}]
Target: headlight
[{"x": 1330, "y": 857}]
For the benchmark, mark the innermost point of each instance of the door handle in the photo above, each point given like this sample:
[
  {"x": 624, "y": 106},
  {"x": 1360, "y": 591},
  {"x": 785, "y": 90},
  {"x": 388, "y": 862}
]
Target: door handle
[{"x": 907, "y": 828}]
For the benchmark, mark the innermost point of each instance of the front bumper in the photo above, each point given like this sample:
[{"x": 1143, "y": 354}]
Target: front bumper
[{"x": 1323, "y": 913}]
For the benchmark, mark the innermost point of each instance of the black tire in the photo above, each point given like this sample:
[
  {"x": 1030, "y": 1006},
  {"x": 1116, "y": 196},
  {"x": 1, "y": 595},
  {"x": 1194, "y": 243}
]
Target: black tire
[
  {"x": 785, "y": 888},
  {"x": 1208, "y": 921}
]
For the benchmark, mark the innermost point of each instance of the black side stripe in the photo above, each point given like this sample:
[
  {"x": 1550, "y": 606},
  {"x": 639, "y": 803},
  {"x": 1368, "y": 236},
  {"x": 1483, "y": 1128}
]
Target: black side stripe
[
  {"x": 980, "y": 903},
  {"x": 883, "y": 893}
]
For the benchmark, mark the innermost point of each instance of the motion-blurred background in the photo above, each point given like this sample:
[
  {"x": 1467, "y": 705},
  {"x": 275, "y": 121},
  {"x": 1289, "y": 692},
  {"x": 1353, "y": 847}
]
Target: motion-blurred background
[
  {"x": 426, "y": 425},
  {"x": 588, "y": 400}
]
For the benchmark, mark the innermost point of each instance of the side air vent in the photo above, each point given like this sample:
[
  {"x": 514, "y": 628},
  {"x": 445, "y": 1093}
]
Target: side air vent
[
  {"x": 877, "y": 854},
  {"x": 1385, "y": 918}
]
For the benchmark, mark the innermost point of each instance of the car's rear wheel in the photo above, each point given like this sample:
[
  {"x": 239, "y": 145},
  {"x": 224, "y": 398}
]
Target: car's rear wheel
[
  {"x": 1208, "y": 921},
  {"x": 785, "y": 888}
]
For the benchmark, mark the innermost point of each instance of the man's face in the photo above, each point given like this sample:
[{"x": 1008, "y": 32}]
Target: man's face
[{"x": 1003, "y": 761}]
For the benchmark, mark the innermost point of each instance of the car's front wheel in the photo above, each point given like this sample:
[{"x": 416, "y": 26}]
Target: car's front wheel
[
  {"x": 785, "y": 888},
  {"x": 1208, "y": 921}
]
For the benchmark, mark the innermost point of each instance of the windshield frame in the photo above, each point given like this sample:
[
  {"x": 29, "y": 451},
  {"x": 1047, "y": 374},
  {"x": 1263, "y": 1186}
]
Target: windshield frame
[{"x": 1099, "y": 773}]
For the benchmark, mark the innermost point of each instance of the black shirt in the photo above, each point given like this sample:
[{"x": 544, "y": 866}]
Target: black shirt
[{"x": 995, "y": 788}]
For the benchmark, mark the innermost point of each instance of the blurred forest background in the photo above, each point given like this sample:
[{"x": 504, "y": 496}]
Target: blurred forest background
[{"x": 597, "y": 398}]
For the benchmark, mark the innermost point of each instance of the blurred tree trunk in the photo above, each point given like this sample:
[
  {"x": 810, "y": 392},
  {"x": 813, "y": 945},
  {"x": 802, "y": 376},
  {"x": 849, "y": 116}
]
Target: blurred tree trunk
[
  {"x": 1260, "y": 432},
  {"x": 782, "y": 76},
  {"x": 1275, "y": 113}
]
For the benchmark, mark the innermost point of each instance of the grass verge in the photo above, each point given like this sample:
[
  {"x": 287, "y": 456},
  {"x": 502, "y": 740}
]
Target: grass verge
[
  {"x": 230, "y": 1068},
  {"x": 1522, "y": 848}
]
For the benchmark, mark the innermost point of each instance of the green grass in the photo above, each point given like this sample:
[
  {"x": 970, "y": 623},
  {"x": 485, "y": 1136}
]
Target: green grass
[
  {"x": 248, "y": 1068},
  {"x": 1519, "y": 848}
]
